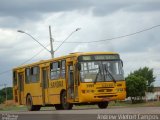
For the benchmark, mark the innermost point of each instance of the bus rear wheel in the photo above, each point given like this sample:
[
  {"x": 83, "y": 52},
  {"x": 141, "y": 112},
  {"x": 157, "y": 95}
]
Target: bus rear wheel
[
  {"x": 103, "y": 105},
  {"x": 30, "y": 105},
  {"x": 64, "y": 103}
]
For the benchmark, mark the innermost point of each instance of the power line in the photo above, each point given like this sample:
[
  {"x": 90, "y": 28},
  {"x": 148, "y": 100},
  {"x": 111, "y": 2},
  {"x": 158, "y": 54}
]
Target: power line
[
  {"x": 66, "y": 39},
  {"x": 33, "y": 56},
  {"x": 122, "y": 36},
  {"x": 34, "y": 39},
  {"x": 45, "y": 47},
  {"x": 40, "y": 50},
  {"x": 6, "y": 71},
  {"x": 88, "y": 42},
  {"x": 25, "y": 61}
]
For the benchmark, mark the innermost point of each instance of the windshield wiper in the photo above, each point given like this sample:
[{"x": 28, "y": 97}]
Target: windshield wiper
[
  {"x": 99, "y": 72},
  {"x": 109, "y": 74}
]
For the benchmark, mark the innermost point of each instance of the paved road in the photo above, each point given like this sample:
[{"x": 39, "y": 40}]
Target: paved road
[{"x": 82, "y": 114}]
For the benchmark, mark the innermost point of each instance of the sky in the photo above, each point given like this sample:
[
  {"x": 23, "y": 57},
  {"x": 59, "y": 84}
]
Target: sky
[{"x": 98, "y": 20}]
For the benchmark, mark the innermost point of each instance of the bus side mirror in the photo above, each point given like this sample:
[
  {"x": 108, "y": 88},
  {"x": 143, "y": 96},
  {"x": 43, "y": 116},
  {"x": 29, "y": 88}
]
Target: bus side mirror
[
  {"x": 122, "y": 63},
  {"x": 79, "y": 66}
]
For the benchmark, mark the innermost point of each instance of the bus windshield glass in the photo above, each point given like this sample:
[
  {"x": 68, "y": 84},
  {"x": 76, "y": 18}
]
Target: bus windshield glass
[{"x": 101, "y": 71}]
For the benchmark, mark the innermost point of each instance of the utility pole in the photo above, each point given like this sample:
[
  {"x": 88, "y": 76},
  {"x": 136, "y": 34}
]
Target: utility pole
[
  {"x": 5, "y": 85},
  {"x": 51, "y": 42}
]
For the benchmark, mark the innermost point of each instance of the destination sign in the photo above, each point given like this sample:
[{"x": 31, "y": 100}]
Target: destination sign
[{"x": 99, "y": 57}]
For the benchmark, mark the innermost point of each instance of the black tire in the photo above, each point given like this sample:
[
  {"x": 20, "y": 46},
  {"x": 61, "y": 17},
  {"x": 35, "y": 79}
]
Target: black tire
[
  {"x": 37, "y": 107},
  {"x": 58, "y": 106},
  {"x": 64, "y": 103},
  {"x": 103, "y": 105},
  {"x": 30, "y": 105}
]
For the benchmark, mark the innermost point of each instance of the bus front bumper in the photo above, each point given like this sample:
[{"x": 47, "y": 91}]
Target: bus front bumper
[{"x": 101, "y": 97}]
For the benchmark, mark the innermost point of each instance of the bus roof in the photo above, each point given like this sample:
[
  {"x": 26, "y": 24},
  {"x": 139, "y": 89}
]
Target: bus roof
[{"x": 76, "y": 54}]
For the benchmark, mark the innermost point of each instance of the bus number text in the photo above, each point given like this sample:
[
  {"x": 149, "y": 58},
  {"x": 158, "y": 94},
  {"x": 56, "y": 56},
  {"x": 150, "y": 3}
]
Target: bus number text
[{"x": 57, "y": 84}]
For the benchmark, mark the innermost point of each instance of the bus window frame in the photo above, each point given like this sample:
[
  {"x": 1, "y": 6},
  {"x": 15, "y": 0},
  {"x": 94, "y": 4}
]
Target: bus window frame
[
  {"x": 101, "y": 60},
  {"x": 61, "y": 69},
  {"x": 55, "y": 70},
  {"x": 29, "y": 76},
  {"x": 15, "y": 78},
  {"x": 37, "y": 75}
]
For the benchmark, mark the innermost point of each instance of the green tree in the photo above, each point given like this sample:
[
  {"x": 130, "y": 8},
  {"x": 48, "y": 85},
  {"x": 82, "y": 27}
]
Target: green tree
[
  {"x": 3, "y": 94},
  {"x": 147, "y": 74},
  {"x": 136, "y": 87}
]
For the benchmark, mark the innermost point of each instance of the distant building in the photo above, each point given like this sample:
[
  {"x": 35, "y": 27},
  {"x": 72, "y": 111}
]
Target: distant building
[
  {"x": 155, "y": 95},
  {"x": 150, "y": 96}
]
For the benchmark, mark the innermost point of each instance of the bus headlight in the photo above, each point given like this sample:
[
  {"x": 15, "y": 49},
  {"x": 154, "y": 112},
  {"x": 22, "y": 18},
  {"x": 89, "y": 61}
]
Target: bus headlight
[
  {"x": 89, "y": 91},
  {"x": 119, "y": 90}
]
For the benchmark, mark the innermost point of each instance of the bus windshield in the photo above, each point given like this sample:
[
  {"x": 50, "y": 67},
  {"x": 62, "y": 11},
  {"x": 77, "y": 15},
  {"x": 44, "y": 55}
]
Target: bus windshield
[{"x": 101, "y": 71}]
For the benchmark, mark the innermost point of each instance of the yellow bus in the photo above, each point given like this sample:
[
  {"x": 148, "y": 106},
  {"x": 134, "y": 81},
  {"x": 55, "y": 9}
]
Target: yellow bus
[{"x": 74, "y": 79}]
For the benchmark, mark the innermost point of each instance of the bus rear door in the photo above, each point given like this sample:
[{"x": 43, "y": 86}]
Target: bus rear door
[{"x": 21, "y": 87}]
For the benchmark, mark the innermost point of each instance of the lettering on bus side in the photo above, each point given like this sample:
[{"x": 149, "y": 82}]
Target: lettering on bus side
[{"x": 57, "y": 84}]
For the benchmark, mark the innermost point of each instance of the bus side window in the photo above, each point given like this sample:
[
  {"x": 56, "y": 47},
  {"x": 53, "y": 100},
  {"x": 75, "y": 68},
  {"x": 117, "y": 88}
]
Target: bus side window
[
  {"x": 14, "y": 78},
  {"x": 63, "y": 69},
  {"x": 35, "y": 74},
  {"x": 27, "y": 74},
  {"x": 55, "y": 70}
]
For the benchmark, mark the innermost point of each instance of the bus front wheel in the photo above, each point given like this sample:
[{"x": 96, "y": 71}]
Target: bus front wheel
[
  {"x": 37, "y": 107},
  {"x": 64, "y": 103},
  {"x": 58, "y": 106},
  {"x": 103, "y": 105}
]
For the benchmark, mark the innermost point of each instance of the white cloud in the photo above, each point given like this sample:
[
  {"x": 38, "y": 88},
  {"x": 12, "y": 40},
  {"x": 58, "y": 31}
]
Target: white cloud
[{"x": 136, "y": 51}]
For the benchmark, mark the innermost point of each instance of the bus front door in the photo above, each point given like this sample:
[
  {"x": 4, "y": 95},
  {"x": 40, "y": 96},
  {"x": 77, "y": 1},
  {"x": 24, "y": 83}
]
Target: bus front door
[
  {"x": 45, "y": 99},
  {"x": 21, "y": 87},
  {"x": 72, "y": 88}
]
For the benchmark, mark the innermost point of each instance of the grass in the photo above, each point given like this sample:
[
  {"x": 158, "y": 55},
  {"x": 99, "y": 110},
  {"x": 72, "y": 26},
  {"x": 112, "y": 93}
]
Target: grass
[
  {"x": 129, "y": 104},
  {"x": 5, "y": 107},
  {"x": 12, "y": 107}
]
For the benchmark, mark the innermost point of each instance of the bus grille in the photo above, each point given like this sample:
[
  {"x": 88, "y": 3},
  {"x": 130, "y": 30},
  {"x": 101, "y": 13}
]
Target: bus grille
[
  {"x": 105, "y": 90},
  {"x": 105, "y": 96}
]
